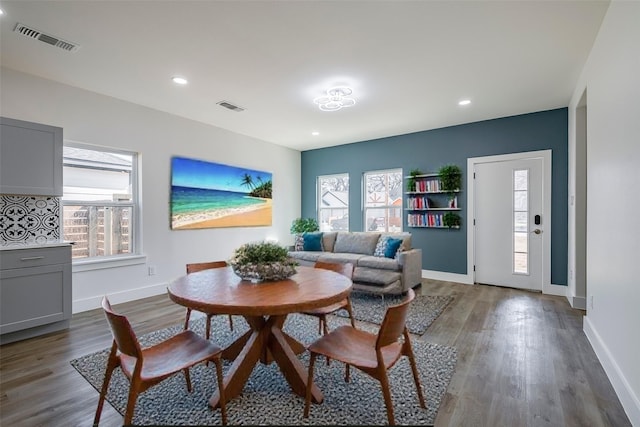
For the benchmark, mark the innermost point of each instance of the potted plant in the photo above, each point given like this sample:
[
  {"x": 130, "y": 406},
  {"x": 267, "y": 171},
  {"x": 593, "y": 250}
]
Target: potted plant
[
  {"x": 302, "y": 225},
  {"x": 450, "y": 179},
  {"x": 451, "y": 220},
  {"x": 411, "y": 182},
  {"x": 262, "y": 261}
]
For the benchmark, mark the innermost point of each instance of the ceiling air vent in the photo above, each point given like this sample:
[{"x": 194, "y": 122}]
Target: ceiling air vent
[
  {"x": 46, "y": 38},
  {"x": 230, "y": 106}
]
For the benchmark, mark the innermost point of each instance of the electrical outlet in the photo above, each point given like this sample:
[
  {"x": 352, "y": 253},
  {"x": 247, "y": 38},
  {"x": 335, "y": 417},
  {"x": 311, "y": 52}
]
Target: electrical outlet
[{"x": 152, "y": 270}]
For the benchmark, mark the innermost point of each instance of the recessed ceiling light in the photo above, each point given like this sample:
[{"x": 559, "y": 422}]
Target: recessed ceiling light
[
  {"x": 315, "y": 133},
  {"x": 179, "y": 80},
  {"x": 464, "y": 102},
  {"x": 1, "y": 12}
]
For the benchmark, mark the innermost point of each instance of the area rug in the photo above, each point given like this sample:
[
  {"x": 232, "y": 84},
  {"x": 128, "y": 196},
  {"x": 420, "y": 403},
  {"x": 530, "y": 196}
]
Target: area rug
[
  {"x": 423, "y": 310},
  {"x": 267, "y": 399}
]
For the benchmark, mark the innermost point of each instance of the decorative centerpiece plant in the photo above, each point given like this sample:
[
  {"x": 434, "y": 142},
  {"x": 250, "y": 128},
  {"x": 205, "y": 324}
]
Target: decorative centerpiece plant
[
  {"x": 450, "y": 179},
  {"x": 262, "y": 261},
  {"x": 411, "y": 181},
  {"x": 451, "y": 220}
]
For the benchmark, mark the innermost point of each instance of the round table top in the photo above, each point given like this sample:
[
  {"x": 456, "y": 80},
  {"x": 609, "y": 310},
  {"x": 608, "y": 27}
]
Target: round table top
[{"x": 221, "y": 291}]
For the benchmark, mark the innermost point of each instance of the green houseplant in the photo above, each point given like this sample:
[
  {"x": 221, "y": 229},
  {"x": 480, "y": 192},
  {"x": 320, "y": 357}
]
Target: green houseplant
[
  {"x": 450, "y": 179},
  {"x": 411, "y": 182},
  {"x": 451, "y": 220},
  {"x": 302, "y": 225},
  {"x": 262, "y": 261}
]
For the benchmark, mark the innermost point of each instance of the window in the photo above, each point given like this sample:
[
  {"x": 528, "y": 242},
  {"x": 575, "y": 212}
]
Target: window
[
  {"x": 333, "y": 202},
  {"x": 521, "y": 221},
  {"x": 100, "y": 201},
  {"x": 383, "y": 200}
]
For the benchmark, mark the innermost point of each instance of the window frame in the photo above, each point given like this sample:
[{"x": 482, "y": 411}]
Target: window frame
[
  {"x": 134, "y": 255},
  {"x": 319, "y": 207},
  {"x": 387, "y": 207}
]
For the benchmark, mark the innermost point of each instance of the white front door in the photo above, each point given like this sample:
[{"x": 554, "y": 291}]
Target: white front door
[{"x": 509, "y": 223}]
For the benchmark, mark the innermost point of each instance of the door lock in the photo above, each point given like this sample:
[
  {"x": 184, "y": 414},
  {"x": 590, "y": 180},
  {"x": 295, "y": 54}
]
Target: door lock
[{"x": 537, "y": 231}]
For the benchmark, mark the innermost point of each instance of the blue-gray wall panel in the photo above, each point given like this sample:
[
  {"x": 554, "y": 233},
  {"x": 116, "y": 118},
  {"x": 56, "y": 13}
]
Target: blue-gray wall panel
[{"x": 446, "y": 250}]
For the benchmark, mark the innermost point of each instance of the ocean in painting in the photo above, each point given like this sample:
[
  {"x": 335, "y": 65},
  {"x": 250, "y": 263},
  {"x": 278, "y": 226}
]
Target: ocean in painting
[{"x": 192, "y": 205}]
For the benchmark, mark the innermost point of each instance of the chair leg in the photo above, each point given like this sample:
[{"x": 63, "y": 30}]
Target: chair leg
[
  {"x": 307, "y": 401},
  {"x": 186, "y": 320},
  {"x": 223, "y": 399},
  {"x": 408, "y": 350},
  {"x": 230, "y": 322},
  {"x": 112, "y": 364},
  {"x": 131, "y": 401},
  {"x": 347, "y": 373},
  {"x": 384, "y": 382},
  {"x": 187, "y": 378},
  {"x": 350, "y": 311},
  {"x": 208, "y": 330},
  {"x": 325, "y": 331}
]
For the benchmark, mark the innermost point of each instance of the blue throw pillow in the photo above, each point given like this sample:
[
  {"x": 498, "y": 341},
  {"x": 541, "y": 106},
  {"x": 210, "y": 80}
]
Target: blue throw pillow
[
  {"x": 392, "y": 247},
  {"x": 313, "y": 242}
]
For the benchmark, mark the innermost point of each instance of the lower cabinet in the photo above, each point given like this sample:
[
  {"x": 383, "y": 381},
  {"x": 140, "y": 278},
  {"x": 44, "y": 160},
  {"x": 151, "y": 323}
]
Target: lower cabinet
[{"x": 35, "y": 292}]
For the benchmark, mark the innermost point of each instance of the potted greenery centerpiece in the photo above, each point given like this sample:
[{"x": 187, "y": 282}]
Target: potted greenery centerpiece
[
  {"x": 450, "y": 179},
  {"x": 262, "y": 261}
]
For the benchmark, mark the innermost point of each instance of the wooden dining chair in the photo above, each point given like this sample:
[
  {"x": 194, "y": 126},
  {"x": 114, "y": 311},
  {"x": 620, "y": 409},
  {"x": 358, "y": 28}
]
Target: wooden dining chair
[
  {"x": 147, "y": 367},
  {"x": 199, "y": 266},
  {"x": 373, "y": 354},
  {"x": 346, "y": 269}
]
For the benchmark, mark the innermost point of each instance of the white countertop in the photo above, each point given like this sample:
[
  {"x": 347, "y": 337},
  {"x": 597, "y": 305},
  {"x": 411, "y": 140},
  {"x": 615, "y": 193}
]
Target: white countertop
[{"x": 5, "y": 246}]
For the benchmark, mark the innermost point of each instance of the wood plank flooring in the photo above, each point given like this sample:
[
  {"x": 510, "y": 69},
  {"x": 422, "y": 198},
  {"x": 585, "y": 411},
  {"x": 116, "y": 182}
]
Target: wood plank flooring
[{"x": 523, "y": 360}]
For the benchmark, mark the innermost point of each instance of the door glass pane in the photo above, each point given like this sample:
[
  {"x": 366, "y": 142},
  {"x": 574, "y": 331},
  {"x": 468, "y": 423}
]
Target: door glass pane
[{"x": 521, "y": 221}]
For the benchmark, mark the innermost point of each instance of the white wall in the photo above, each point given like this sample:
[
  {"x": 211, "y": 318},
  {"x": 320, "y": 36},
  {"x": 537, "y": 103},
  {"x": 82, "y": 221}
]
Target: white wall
[
  {"x": 611, "y": 77},
  {"x": 96, "y": 119}
]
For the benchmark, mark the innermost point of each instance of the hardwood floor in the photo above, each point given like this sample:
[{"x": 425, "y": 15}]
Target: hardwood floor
[{"x": 523, "y": 360}]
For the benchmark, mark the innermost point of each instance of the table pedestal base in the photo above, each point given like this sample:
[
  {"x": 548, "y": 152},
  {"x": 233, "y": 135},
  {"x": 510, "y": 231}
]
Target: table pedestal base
[{"x": 265, "y": 342}]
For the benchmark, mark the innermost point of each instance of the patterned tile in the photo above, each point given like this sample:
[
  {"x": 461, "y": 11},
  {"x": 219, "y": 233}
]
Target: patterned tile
[{"x": 29, "y": 219}]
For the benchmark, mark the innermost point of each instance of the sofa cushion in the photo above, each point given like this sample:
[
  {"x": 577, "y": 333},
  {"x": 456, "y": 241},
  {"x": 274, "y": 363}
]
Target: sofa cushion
[
  {"x": 299, "y": 243},
  {"x": 340, "y": 257},
  {"x": 374, "y": 276},
  {"x": 356, "y": 242},
  {"x": 382, "y": 263},
  {"x": 405, "y": 236},
  {"x": 305, "y": 255},
  {"x": 312, "y": 241},
  {"x": 328, "y": 240},
  {"x": 387, "y": 246}
]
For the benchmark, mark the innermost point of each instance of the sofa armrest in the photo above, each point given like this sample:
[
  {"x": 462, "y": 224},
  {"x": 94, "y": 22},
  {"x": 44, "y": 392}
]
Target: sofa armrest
[{"x": 411, "y": 262}]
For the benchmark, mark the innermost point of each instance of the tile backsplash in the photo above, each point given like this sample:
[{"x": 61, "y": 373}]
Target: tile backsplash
[{"x": 29, "y": 219}]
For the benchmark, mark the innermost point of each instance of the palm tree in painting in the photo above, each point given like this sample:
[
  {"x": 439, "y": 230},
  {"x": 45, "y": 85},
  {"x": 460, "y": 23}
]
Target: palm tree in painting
[{"x": 247, "y": 180}]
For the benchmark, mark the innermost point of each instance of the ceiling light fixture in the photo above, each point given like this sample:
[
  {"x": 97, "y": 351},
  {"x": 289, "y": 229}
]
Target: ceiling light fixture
[
  {"x": 464, "y": 102},
  {"x": 335, "y": 99},
  {"x": 179, "y": 80},
  {"x": 315, "y": 133}
]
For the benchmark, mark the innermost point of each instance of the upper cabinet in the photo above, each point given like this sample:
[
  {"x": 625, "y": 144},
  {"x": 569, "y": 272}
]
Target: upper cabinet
[{"x": 30, "y": 158}]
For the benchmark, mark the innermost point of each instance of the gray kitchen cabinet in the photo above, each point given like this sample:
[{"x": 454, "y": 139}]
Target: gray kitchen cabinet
[
  {"x": 35, "y": 291},
  {"x": 30, "y": 158}
]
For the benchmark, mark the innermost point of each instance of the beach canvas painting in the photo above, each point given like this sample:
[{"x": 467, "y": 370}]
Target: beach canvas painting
[{"x": 208, "y": 195}]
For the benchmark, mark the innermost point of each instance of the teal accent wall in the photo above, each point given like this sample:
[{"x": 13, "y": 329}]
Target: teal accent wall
[{"x": 446, "y": 250}]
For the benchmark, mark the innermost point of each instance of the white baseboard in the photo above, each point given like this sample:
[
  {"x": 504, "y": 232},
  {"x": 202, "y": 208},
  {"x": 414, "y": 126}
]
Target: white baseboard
[
  {"x": 558, "y": 290},
  {"x": 630, "y": 402},
  {"x": 447, "y": 277},
  {"x": 578, "y": 302},
  {"x": 119, "y": 297}
]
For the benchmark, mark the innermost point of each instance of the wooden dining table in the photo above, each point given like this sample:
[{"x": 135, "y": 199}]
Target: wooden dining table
[{"x": 265, "y": 307}]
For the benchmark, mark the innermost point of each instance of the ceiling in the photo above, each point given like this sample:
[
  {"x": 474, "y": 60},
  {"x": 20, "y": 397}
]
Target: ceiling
[{"x": 409, "y": 62}]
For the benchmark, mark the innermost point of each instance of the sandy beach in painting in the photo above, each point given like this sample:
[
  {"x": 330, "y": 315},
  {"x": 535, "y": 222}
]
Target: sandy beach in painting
[{"x": 246, "y": 216}]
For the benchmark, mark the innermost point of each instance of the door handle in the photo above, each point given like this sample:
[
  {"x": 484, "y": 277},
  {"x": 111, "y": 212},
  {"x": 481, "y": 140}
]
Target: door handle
[{"x": 537, "y": 231}]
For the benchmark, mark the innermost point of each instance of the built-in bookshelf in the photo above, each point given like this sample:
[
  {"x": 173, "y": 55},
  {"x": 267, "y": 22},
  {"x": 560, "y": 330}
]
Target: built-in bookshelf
[{"x": 429, "y": 206}]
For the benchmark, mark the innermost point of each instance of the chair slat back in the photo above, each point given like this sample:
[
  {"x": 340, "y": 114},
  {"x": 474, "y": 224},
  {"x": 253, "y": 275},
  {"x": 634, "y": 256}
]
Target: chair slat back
[
  {"x": 199, "y": 266},
  {"x": 394, "y": 321},
  {"x": 123, "y": 334},
  {"x": 346, "y": 269}
]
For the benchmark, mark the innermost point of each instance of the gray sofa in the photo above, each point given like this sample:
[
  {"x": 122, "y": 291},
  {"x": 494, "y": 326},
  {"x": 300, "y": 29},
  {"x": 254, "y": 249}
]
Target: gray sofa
[{"x": 376, "y": 274}]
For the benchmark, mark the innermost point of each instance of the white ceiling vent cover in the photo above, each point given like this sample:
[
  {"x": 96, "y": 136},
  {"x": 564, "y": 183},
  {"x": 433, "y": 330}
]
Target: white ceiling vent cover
[
  {"x": 46, "y": 38},
  {"x": 230, "y": 106}
]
